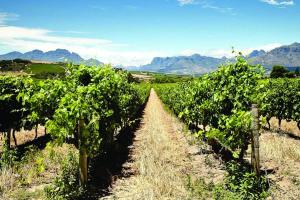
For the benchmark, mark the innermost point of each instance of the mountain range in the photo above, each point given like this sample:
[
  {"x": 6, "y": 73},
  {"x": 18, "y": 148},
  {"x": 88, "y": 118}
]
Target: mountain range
[
  {"x": 58, "y": 55},
  {"x": 287, "y": 55},
  {"x": 195, "y": 64}
]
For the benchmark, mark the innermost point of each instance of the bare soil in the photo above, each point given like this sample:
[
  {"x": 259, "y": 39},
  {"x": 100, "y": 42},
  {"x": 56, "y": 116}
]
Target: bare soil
[
  {"x": 143, "y": 77},
  {"x": 23, "y": 136}
]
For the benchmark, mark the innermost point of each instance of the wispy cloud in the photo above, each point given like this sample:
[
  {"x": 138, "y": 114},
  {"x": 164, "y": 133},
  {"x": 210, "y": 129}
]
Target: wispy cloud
[
  {"x": 26, "y": 39},
  {"x": 279, "y": 2},
  {"x": 186, "y": 2},
  {"x": 219, "y": 9},
  {"x": 218, "y": 53},
  {"x": 72, "y": 32},
  {"x": 5, "y": 17},
  {"x": 207, "y": 5}
]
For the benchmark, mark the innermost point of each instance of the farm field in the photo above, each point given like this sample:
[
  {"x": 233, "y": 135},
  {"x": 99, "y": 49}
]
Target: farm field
[
  {"x": 150, "y": 100},
  {"x": 96, "y": 134},
  {"x": 36, "y": 68},
  {"x": 160, "y": 136}
]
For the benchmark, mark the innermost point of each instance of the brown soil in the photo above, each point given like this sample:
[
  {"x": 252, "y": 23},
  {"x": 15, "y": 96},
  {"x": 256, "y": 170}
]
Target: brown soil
[
  {"x": 143, "y": 77},
  {"x": 23, "y": 137}
]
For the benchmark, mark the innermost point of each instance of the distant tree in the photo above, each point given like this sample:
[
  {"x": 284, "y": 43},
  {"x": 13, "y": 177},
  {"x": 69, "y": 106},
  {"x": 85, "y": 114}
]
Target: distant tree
[
  {"x": 278, "y": 71},
  {"x": 132, "y": 79},
  {"x": 290, "y": 75},
  {"x": 297, "y": 72},
  {"x": 18, "y": 60}
]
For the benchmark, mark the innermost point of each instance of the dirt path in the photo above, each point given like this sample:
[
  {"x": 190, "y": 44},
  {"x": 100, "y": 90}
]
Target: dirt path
[{"x": 160, "y": 158}]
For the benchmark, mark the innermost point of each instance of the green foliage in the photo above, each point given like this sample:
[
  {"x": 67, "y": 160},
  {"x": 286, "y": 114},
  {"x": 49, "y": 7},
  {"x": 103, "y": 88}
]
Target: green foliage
[
  {"x": 280, "y": 98},
  {"x": 8, "y": 157},
  {"x": 297, "y": 72},
  {"x": 14, "y": 65},
  {"x": 290, "y": 75},
  {"x": 41, "y": 98},
  {"x": 49, "y": 75},
  {"x": 220, "y": 100},
  {"x": 199, "y": 189},
  {"x": 11, "y": 113},
  {"x": 102, "y": 97},
  {"x": 278, "y": 72},
  {"x": 241, "y": 183},
  {"x": 168, "y": 78},
  {"x": 66, "y": 186}
]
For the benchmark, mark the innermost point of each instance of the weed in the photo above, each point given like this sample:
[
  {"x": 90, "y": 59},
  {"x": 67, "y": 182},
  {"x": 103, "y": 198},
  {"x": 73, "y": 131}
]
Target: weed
[
  {"x": 198, "y": 188},
  {"x": 66, "y": 185},
  {"x": 208, "y": 161},
  {"x": 8, "y": 157},
  {"x": 241, "y": 183}
]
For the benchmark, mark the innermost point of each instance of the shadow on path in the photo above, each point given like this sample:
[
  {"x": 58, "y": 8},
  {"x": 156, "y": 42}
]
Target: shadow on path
[{"x": 108, "y": 166}]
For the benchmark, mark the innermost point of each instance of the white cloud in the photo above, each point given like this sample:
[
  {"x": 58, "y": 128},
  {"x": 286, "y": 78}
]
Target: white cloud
[
  {"x": 219, "y": 9},
  {"x": 186, "y": 2},
  {"x": 218, "y": 53},
  {"x": 266, "y": 47},
  {"x": 279, "y": 2},
  {"x": 26, "y": 39},
  {"x": 4, "y": 17},
  {"x": 207, "y": 5},
  {"x": 43, "y": 35}
]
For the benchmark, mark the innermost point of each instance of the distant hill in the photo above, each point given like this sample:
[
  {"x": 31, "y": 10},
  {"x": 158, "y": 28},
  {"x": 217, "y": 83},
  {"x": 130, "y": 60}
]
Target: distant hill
[
  {"x": 288, "y": 55},
  {"x": 256, "y": 53},
  {"x": 58, "y": 55},
  {"x": 195, "y": 64}
]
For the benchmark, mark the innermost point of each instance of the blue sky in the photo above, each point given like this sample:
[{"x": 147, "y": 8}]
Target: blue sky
[{"x": 132, "y": 32}]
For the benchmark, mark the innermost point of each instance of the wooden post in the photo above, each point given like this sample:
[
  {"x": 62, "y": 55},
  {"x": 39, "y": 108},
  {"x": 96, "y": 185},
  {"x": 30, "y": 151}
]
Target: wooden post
[
  {"x": 14, "y": 136},
  {"x": 255, "y": 140},
  {"x": 36, "y": 131},
  {"x": 8, "y": 138},
  {"x": 83, "y": 171}
]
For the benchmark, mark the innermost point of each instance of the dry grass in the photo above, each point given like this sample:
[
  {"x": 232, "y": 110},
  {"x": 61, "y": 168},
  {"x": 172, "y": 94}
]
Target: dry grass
[
  {"x": 143, "y": 77},
  {"x": 27, "y": 178},
  {"x": 290, "y": 127},
  {"x": 158, "y": 161},
  {"x": 282, "y": 154},
  {"x": 12, "y": 73},
  {"x": 279, "y": 148},
  {"x": 162, "y": 160}
]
